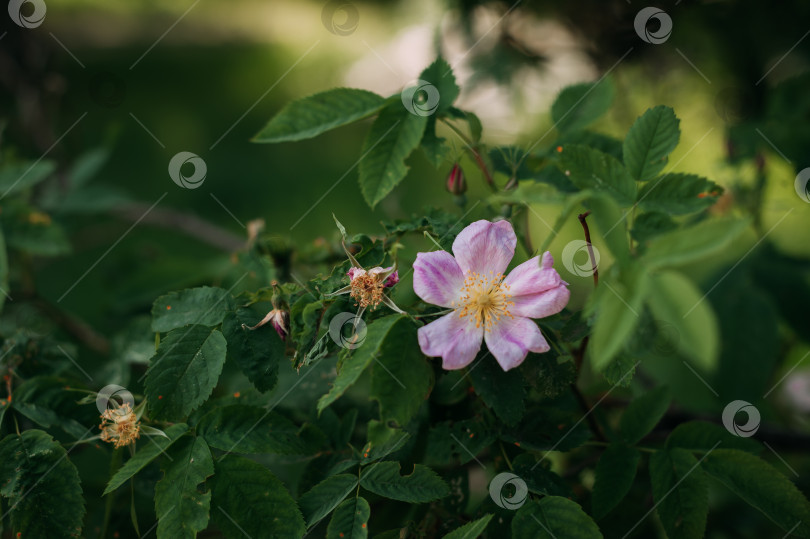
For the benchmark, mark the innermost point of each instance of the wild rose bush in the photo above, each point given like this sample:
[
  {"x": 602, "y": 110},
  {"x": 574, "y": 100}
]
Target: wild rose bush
[{"x": 457, "y": 393}]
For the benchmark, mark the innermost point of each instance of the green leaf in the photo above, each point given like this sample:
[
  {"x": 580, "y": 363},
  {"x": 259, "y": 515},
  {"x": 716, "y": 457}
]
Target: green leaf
[
  {"x": 251, "y": 501},
  {"x": 615, "y": 473},
  {"x": 503, "y": 392},
  {"x": 440, "y": 75},
  {"x": 673, "y": 299},
  {"x": 421, "y": 485},
  {"x": 393, "y": 136},
  {"x": 643, "y": 414},
  {"x": 471, "y": 530},
  {"x": 354, "y": 365},
  {"x": 257, "y": 352},
  {"x": 620, "y": 371},
  {"x": 150, "y": 449},
  {"x": 678, "y": 194},
  {"x": 205, "y": 306},
  {"x": 681, "y": 493},
  {"x": 309, "y": 117},
  {"x": 433, "y": 146},
  {"x": 580, "y": 105},
  {"x": 651, "y": 224},
  {"x": 250, "y": 429},
  {"x": 42, "y": 484},
  {"x": 651, "y": 138},
  {"x": 184, "y": 371},
  {"x": 618, "y": 305},
  {"x": 702, "y": 436},
  {"x": 553, "y": 517},
  {"x": 762, "y": 487},
  {"x": 350, "y": 520},
  {"x": 690, "y": 244},
  {"x": 33, "y": 232},
  {"x": 181, "y": 508},
  {"x": 20, "y": 176},
  {"x": 401, "y": 377},
  {"x": 321, "y": 499},
  {"x": 588, "y": 168}
]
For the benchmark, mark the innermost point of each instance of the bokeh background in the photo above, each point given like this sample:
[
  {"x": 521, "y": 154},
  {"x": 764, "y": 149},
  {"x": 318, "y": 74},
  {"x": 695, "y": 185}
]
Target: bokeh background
[{"x": 110, "y": 91}]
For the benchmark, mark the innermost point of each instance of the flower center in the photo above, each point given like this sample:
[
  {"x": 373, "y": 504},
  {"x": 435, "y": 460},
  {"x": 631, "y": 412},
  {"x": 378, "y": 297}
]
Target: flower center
[
  {"x": 485, "y": 298},
  {"x": 367, "y": 290}
]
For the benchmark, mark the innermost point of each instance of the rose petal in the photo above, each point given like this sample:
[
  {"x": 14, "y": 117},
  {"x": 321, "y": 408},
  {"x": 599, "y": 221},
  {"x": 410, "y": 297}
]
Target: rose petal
[
  {"x": 542, "y": 304},
  {"x": 511, "y": 339},
  {"x": 484, "y": 246},
  {"x": 531, "y": 277},
  {"x": 453, "y": 338},
  {"x": 355, "y": 272},
  {"x": 437, "y": 279}
]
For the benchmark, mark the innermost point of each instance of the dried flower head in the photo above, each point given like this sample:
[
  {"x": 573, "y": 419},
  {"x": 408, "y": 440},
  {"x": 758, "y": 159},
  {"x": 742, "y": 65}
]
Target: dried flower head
[{"x": 120, "y": 426}]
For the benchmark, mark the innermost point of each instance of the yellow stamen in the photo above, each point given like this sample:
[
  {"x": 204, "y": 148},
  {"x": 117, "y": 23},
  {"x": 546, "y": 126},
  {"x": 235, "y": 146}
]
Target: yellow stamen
[
  {"x": 120, "y": 426},
  {"x": 367, "y": 290},
  {"x": 485, "y": 298}
]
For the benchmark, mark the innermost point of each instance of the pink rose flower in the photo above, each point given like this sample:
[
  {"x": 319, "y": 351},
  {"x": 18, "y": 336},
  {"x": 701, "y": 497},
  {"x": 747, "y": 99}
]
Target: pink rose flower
[{"x": 486, "y": 305}]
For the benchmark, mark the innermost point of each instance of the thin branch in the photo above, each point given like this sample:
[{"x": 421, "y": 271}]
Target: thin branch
[{"x": 582, "y": 219}]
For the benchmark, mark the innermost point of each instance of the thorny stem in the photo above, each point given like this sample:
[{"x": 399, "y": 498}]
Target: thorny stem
[
  {"x": 475, "y": 153},
  {"x": 579, "y": 354},
  {"x": 582, "y": 219}
]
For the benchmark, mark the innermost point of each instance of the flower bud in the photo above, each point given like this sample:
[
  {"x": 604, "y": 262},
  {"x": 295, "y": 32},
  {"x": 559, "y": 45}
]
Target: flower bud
[{"x": 456, "y": 184}]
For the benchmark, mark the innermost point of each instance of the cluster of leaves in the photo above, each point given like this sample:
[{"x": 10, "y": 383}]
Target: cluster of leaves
[{"x": 340, "y": 440}]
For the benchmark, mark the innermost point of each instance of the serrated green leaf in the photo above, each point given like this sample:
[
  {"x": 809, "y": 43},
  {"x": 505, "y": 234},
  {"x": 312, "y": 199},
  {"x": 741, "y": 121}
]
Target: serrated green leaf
[
  {"x": 762, "y": 487},
  {"x": 618, "y": 305},
  {"x": 651, "y": 224},
  {"x": 354, "y": 365},
  {"x": 401, "y": 377},
  {"x": 678, "y": 194},
  {"x": 615, "y": 473},
  {"x": 553, "y": 517},
  {"x": 471, "y": 530},
  {"x": 150, "y": 449},
  {"x": 503, "y": 392},
  {"x": 702, "y": 436},
  {"x": 250, "y": 429},
  {"x": 421, "y": 485},
  {"x": 250, "y": 500},
  {"x": 681, "y": 493},
  {"x": 321, "y": 499},
  {"x": 643, "y": 414},
  {"x": 620, "y": 371},
  {"x": 350, "y": 520},
  {"x": 181, "y": 508},
  {"x": 440, "y": 75},
  {"x": 690, "y": 244},
  {"x": 393, "y": 136},
  {"x": 673, "y": 299},
  {"x": 184, "y": 370},
  {"x": 257, "y": 352},
  {"x": 20, "y": 176},
  {"x": 651, "y": 138},
  {"x": 588, "y": 168},
  {"x": 310, "y": 116},
  {"x": 205, "y": 306},
  {"x": 42, "y": 484},
  {"x": 579, "y": 105}
]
